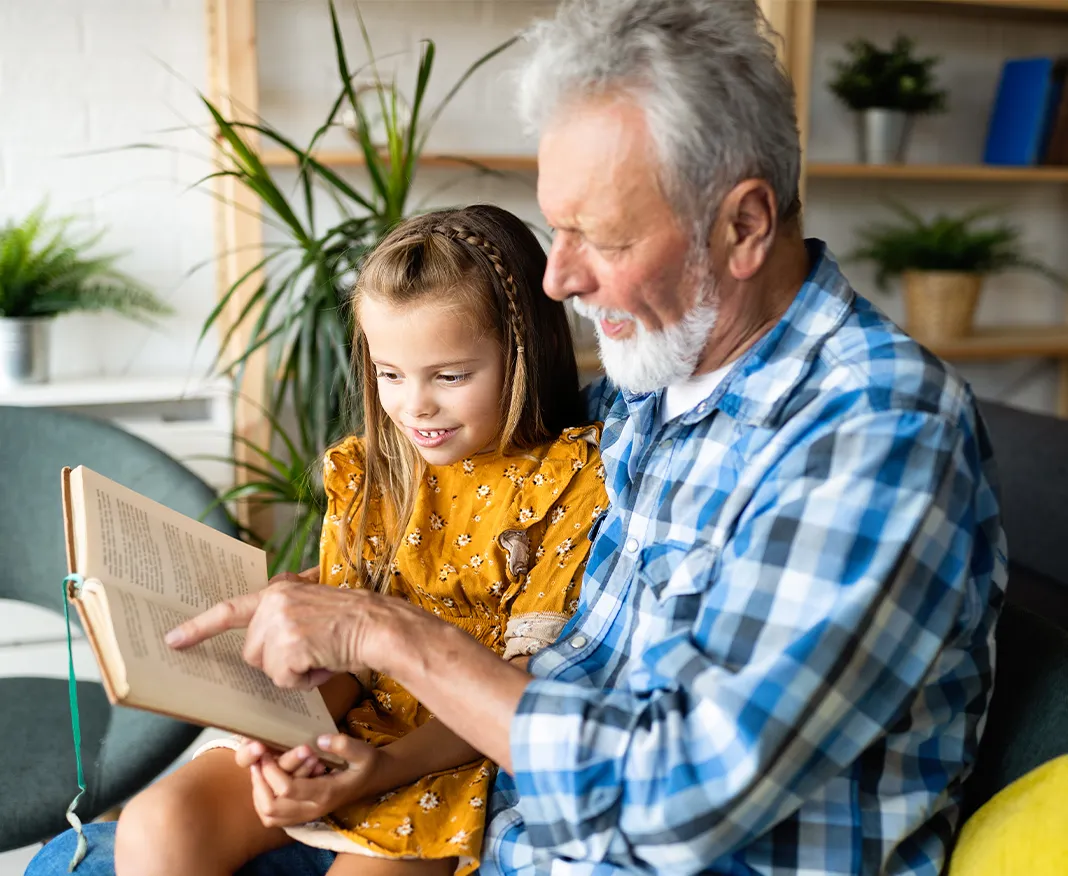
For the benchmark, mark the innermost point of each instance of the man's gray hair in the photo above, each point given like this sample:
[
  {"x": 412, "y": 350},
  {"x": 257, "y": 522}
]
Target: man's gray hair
[{"x": 719, "y": 105}]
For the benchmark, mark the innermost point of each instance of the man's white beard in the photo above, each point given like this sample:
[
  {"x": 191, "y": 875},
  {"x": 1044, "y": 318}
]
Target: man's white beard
[{"x": 648, "y": 360}]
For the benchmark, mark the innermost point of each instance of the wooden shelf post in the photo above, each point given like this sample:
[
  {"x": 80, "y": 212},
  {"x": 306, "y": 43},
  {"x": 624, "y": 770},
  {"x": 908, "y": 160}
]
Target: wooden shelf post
[
  {"x": 234, "y": 88},
  {"x": 795, "y": 21}
]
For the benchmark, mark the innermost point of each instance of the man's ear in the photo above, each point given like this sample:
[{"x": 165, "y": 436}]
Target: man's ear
[{"x": 746, "y": 226}]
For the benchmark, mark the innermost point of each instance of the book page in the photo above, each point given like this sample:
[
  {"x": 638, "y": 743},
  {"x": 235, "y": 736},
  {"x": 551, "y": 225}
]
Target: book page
[
  {"x": 210, "y": 683},
  {"x": 123, "y": 538}
]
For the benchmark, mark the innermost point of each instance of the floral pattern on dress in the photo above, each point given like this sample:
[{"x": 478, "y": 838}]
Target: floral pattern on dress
[{"x": 451, "y": 564}]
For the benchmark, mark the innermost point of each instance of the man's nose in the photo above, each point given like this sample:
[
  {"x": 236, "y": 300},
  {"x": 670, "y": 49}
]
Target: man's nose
[{"x": 566, "y": 273}]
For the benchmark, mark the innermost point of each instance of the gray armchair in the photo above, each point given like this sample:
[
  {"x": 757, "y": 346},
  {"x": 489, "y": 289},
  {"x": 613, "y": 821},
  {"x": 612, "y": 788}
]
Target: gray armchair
[
  {"x": 122, "y": 749},
  {"x": 1028, "y": 720}
]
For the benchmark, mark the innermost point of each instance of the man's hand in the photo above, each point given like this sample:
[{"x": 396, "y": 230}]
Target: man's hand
[
  {"x": 292, "y": 788},
  {"x": 300, "y": 634}
]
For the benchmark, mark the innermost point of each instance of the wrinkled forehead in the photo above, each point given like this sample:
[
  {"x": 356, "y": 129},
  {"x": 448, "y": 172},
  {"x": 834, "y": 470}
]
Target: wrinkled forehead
[{"x": 597, "y": 162}]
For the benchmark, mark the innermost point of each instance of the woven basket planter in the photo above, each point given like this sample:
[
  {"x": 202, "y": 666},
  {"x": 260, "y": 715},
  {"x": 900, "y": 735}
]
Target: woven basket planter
[{"x": 940, "y": 305}]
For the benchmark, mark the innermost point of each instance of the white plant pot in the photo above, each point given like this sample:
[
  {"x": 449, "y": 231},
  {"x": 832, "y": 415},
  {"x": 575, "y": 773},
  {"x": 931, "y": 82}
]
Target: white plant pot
[
  {"x": 882, "y": 136},
  {"x": 23, "y": 350}
]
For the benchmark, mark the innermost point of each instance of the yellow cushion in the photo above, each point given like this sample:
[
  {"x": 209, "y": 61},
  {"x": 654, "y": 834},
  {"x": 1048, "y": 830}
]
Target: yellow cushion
[{"x": 1023, "y": 829}]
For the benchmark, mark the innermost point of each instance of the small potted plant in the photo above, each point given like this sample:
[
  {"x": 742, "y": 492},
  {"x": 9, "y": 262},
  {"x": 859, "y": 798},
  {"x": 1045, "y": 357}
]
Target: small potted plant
[
  {"x": 886, "y": 90},
  {"x": 44, "y": 272},
  {"x": 942, "y": 264}
]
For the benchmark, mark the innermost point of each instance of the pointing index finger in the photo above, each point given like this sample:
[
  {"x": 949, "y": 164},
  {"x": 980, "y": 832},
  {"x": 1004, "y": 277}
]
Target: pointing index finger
[{"x": 232, "y": 614}]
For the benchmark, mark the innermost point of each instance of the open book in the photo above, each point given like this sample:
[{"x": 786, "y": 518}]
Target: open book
[{"x": 146, "y": 569}]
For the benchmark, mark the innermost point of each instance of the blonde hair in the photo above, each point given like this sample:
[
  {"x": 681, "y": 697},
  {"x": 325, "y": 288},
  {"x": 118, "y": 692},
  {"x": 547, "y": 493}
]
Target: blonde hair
[{"x": 485, "y": 262}]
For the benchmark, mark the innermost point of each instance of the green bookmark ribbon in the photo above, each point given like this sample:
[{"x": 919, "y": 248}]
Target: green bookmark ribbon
[{"x": 73, "y": 583}]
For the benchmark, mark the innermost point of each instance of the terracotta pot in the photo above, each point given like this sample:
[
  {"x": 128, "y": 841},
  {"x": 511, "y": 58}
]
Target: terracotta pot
[{"x": 940, "y": 305}]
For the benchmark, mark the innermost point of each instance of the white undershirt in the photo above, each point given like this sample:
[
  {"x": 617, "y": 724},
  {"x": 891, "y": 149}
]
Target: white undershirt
[{"x": 685, "y": 395}]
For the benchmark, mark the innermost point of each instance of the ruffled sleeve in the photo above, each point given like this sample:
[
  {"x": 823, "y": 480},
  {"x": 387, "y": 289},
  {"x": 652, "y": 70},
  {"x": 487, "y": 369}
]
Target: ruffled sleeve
[
  {"x": 549, "y": 544},
  {"x": 343, "y": 471}
]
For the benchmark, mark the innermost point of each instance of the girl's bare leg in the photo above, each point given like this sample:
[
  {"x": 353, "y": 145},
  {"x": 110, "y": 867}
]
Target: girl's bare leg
[
  {"x": 362, "y": 865},
  {"x": 197, "y": 820}
]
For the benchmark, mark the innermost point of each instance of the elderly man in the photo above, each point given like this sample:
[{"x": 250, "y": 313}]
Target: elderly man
[{"x": 782, "y": 659}]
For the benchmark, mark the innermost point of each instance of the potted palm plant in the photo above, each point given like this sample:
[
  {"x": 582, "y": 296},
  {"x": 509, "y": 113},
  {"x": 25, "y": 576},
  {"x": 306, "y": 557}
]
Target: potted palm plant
[
  {"x": 942, "y": 264},
  {"x": 45, "y": 271},
  {"x": 299, "y": 313},
  {"x": 885, "y": 89}
]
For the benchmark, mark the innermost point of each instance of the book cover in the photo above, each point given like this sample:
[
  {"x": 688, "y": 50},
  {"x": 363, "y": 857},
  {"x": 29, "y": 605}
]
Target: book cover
[{"x": 1020, "y": 118}]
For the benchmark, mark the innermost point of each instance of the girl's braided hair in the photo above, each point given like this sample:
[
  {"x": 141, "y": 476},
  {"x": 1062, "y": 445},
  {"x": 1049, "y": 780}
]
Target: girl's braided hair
[{"x": 485, "y": 262}]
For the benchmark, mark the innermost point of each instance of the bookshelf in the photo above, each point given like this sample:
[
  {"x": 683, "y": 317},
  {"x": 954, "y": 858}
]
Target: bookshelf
[
  {"x": 797, "y": 21},
  {"x": 979, "y": 173},
  {"x": 985, "y": 345},
  {"x": 1009, "y": 342},
  {"x": 338, "y": 158},
  {"x": 1054, "y": 11}
]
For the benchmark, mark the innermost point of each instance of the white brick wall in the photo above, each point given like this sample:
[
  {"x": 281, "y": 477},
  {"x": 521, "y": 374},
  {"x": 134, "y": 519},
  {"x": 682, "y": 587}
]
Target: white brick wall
[
  {"x": 297, "y": 94},
  {"x": 78, "y": 80}
]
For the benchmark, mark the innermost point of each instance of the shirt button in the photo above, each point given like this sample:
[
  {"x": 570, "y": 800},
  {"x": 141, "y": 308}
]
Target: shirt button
[
  {"x": 578, "y": 642},
  {"x": 632, "y": 545},
  {"x": 667, "y": 442}
]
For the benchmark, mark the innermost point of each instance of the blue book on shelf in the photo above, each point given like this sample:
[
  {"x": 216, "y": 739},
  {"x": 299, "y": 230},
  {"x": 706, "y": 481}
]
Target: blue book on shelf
[{"x": 1022, "y": 112}]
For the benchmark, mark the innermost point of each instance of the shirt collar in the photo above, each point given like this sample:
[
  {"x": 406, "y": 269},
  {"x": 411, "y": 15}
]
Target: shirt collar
[{"x": 764, "y": 378}]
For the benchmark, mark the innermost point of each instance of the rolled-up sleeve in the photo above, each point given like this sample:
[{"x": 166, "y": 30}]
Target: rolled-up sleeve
[{"x": 841, "y": 584}]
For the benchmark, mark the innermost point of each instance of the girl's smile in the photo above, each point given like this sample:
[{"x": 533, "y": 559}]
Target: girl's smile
[{"x": 432, "y": 437}]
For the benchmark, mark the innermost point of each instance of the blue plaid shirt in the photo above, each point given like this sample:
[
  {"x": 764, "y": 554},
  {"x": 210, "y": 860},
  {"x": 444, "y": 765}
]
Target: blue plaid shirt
[{"x": 783, "y": 653}]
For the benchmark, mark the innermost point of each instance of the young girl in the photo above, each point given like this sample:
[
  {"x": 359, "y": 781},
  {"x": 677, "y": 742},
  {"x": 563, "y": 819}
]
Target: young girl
[{"x": 472, "y": 494}]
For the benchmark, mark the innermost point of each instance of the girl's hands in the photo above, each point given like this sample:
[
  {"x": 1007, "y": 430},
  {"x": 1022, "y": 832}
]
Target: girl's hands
[{"x": 294, "y": 787}]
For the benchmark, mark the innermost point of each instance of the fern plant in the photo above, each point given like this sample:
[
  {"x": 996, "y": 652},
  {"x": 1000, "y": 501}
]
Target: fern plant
[
  {"x": 46, "y": 271},
  {"x": 945, "y": 243},
  {"x": 298, "y": 313},
  {"x": 887, "y": 79}
]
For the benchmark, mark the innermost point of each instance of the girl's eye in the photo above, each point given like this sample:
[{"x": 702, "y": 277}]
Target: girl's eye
[
  {"x": 391, "y": 376},
  {"x": 453, "y": 379}
]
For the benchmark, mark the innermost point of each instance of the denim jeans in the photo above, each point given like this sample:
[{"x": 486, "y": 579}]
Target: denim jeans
[{"x": 54, "y": 858}]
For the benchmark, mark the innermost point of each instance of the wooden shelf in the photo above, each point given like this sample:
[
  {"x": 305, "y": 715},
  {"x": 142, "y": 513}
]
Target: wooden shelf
[
  {"x": 1005, "y": 343},
  {"x": 815, "y": 169},
  {"x": 937, "y": 172},
  {"x": 351, "y": 158},
  {"x": 1025, "y": 10},
  {"x": 985, "y": 344},
  {"x": 106, "y": 391}
]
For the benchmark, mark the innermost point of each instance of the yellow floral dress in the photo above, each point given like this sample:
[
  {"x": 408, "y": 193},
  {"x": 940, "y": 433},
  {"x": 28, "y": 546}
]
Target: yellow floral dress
[{"x": 496, "y": 546}]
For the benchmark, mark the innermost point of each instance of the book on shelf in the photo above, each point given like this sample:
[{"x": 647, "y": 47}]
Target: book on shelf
[
  {"x": 1024, "y": 115},
  {"x": 144, "y": 569}
]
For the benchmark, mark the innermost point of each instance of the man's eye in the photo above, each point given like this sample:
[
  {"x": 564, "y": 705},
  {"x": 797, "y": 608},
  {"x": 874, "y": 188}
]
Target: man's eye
[{"x": 453, "y": 379}]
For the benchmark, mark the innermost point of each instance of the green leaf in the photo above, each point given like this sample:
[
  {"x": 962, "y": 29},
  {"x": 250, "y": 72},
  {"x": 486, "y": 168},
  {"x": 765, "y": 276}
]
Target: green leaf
[
  {"x": 298, "y": 314},
  {"x": 45, "y": 270},
  {"x": 945, "y": 243}
]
